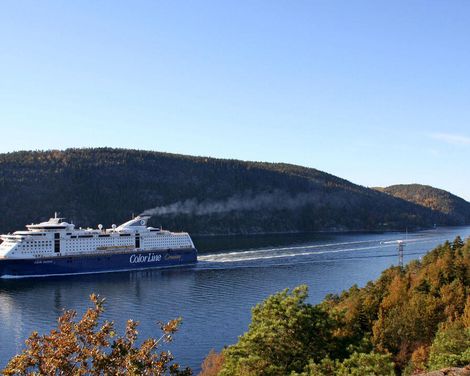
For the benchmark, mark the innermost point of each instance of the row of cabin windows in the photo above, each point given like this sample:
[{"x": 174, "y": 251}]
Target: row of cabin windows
[
  {"x": 74, "y": 249},
  {"x": 87, "y": 246},
  {"x": 37, "y": 251},
  {"x": 178, "y": 241},
  {"x": 99, "y": 242},
  {"x": 36, "y": 244}
]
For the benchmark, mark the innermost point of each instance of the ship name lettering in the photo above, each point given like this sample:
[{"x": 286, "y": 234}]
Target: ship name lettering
[
  {"x": 173, "y": 257},
  {"x": 151, "y": 257}
]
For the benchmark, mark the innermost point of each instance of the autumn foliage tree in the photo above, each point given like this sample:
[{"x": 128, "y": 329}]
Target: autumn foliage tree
[
  {"x": 91, "y": 347},
  {"x": 212, "y": 364}
]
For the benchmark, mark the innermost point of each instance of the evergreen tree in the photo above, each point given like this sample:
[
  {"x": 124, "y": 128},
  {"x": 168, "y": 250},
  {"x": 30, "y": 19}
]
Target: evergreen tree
[
  {"x": 451, "y": 347},
  {"x": 285, "y": 332}
]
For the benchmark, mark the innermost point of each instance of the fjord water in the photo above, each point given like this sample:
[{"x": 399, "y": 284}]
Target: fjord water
[{"x": 214, "y": 298}]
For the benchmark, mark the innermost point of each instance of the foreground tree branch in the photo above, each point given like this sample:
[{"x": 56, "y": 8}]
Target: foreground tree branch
[{"x": 91, "y": 347}]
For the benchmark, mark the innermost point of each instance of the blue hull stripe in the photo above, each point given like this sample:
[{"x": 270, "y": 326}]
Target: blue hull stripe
[{"x": 98, "y": 263}]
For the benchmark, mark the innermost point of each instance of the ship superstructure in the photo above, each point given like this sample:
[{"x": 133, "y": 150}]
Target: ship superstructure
[{"x": 131, "y": 245}]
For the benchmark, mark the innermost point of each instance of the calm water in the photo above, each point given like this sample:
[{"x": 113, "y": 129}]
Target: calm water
[{"x": 214, "y": 298}]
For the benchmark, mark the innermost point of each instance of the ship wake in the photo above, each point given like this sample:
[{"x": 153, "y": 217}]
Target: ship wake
[{"x": 307, "y": 252}]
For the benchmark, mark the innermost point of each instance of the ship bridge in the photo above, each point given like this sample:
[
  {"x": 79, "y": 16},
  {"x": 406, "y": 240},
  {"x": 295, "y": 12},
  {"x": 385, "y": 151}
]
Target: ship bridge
[{"x": 55, "y": 223}]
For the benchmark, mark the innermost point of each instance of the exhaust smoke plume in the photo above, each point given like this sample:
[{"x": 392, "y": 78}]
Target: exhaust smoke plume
[{"x": 274, "y": 200}]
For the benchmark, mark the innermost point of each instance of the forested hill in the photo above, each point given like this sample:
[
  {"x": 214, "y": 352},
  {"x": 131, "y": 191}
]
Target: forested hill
[
  {"x": 433, "y": 198},
  {"x": 197, "y": 194}
]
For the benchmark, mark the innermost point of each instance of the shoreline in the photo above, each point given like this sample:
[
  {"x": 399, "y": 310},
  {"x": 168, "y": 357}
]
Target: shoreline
[{"x": 320, "y": 232}]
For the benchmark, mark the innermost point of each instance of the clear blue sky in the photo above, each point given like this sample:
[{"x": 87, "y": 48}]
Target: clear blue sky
[{"x": 377, "y": 92}]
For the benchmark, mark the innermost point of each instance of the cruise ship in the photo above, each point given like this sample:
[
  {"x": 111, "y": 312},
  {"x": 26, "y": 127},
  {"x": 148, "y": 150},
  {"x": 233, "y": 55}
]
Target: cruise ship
[{"x": 56, "y": 247}]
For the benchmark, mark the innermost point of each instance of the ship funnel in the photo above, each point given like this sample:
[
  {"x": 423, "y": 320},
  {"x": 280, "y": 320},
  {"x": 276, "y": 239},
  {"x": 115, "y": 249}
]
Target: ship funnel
[{"x": 139, "y": 221}]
